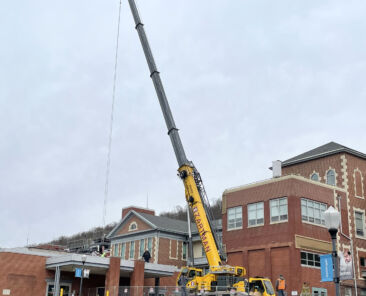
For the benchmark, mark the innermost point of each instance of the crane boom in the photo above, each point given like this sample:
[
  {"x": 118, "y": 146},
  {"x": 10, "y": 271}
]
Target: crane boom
[
  {"x": 189, "y": 174},
  {"x": 155, "y": 76}
]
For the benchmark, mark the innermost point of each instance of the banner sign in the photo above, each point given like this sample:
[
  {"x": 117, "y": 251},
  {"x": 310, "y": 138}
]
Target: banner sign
[
  {"x": 78, "y": 272},
  {"x": 345, "y": 265},
  {"x": 326, "y": 268}
]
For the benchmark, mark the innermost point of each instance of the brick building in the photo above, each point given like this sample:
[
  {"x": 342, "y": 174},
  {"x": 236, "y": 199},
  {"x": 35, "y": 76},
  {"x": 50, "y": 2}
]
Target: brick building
[
  {"x": 280, "y": 222},
  {"x": 165, "y": 238},
  {"x": 31, "y": 271}
]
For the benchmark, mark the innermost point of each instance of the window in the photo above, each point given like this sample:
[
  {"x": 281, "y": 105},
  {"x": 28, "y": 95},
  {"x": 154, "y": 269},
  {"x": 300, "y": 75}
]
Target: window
[
  {"x": 255, "y": 214},
  {"x": 362, "y": 262},
  {"x": 347, "y": 291},
  {"x": 142, "y": 247},
  {"x": 359, "y": 221},
  {"x": 310, "y": 259},
  {"x": 315, "y": 177},
  {"x": 149, "y": 245},
  {"x": 123, "y": 250},
  {"x": 184, "y": 251},
  {"x": 312, "y": 211},
  {"x": 278, "y": 209},
  {"x": 319, "y": 291},
  {"x": 234, "y": 218},
  {"x": 133, "y": 226},
  {"x": 66, "y": 289},
  {"x": 331, "y": 177},
  {"x": 115, "y": 250},
  {"x": 132, "y": 250},
  {"x": 203, "y": 253},
  {"x": 363, "y": 292}
]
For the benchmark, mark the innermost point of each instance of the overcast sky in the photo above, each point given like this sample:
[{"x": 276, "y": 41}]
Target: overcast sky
[{"x": 248, "y": 82}]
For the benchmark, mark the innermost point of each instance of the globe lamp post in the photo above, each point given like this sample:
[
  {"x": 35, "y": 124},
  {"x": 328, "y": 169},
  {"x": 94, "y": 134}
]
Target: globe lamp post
[
  {"x": 332, "y": 221},
  {"x": 83, "y": 259}
]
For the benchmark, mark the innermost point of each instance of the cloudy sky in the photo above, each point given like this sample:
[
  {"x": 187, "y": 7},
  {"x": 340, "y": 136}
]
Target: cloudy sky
[{"x": 248, "y": 82}]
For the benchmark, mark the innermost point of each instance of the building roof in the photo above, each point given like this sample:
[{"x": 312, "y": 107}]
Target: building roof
[
  {"x": 162, "y": 224},
  {"x": 33, "y": 251},
  {"x": 322, "y": 151},
  {"x": 169, "y": 224}
]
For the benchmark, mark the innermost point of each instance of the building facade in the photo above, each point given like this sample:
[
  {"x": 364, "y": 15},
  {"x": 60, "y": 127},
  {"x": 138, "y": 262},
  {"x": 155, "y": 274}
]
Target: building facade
[
  {"x": 166, "y": 239},
  {"x": 280, "y": 221}
]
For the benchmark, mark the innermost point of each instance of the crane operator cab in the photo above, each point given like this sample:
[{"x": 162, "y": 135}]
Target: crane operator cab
[
  {"x": 189, "y": 277},
  {"x": 263, "y": 286}
]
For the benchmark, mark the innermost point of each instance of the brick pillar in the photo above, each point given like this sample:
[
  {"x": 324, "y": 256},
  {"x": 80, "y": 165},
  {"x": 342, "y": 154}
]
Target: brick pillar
[
  {"x": 137, "y": 278},
  {"x": 112, "y": 276}
]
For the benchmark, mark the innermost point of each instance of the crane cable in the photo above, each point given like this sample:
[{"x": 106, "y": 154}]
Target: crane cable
[{"x": 106, "y": 185}]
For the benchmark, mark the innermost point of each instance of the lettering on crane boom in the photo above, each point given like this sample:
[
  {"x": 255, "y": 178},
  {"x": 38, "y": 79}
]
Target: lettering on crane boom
[{"x": 201, "y": 229}]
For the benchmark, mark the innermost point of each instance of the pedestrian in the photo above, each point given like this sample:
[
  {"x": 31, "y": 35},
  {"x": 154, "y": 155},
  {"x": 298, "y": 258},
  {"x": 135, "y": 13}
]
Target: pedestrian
[
  {"x": 146, "y": 255},
  {"x": 281, "y": 286}
]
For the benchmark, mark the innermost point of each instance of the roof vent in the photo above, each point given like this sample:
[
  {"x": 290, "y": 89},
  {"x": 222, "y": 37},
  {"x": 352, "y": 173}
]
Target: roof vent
[{"x": 277, "y": 168}]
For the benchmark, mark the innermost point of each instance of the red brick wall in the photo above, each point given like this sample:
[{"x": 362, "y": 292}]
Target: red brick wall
[
  {"x": 164, "y": 251},
  {"x": 352, "y": 179},
  {"x": 141, "y": 225},
  {"x": 23, "y": 274},
  {"x": 269, "y": 250}
]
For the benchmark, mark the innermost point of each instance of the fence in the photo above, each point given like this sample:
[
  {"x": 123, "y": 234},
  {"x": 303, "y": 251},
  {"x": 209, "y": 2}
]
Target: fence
[{"x": 155, "y": 291}]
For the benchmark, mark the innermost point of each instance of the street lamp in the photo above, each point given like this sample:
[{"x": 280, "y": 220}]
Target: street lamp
[
  {"x": 83, "y": 259},
  {"x": 332, "y": 221}
]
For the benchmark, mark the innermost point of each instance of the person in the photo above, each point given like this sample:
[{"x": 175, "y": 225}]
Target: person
[
  {"x": 281, "y": 285},
  {"x": 182, "y": 282},
  {"x": 146, "y": 255}
]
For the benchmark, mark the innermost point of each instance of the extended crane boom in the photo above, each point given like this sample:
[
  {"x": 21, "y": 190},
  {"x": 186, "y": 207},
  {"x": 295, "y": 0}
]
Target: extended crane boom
[{"x": 187, "y": 171}]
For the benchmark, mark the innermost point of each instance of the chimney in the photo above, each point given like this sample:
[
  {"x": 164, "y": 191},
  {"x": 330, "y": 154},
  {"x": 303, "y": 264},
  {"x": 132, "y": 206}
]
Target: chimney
[
  {"x": 137, "y": 209},
  {"x": 277, "y": 168}
]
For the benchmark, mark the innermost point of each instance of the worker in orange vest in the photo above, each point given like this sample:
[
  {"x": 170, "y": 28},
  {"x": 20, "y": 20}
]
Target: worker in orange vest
[{"x": 281, "y": 286}]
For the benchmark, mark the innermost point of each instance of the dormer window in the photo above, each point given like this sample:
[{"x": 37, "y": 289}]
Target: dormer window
[
  {"x": 133, "y": 226},
  {"x": 331, "y": 177}
]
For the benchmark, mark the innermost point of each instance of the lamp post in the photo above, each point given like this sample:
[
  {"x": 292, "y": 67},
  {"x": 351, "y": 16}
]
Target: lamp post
[
  {"x": 83, "y": 259},
  {"x": 332, "y": 221}
]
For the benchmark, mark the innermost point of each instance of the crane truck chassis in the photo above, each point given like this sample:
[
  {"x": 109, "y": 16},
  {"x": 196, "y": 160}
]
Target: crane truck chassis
[{"x": 220, "y": 276}]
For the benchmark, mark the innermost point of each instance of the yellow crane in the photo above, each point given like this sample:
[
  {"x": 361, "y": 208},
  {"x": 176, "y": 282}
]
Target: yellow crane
[{"x": 220, "y": 276}]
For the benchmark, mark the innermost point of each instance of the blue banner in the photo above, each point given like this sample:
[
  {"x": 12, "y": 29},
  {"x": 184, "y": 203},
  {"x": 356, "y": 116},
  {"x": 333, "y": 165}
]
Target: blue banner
[
  {"x": 326, "y": 268},
  {"x": 78, "y": 272}
]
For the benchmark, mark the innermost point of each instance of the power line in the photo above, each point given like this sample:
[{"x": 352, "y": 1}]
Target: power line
[{"x": 106, "y": 185}]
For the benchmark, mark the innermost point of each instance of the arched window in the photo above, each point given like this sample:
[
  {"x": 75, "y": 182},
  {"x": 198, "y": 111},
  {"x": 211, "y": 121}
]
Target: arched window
[
  {"x": 331, "y": 177},
  {"x": 133, "y": 226},
  {"x": 315, "y": 177}
]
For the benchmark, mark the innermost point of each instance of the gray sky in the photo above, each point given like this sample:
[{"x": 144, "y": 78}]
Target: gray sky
[{"x": 248, "y": 82}]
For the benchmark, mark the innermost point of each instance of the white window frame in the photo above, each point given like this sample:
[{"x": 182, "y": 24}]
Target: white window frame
[
  {"x": 257, "y": 208},
  {"x": 132, "y": 243},
  {"x": 150, "y": 248},
  {"x": 317, "y": 176},
  {"x": 362, "y": 212},
  {"x": 122, "y": 250},
  {"x": 141, "y": 251},
  {"x": 131, "y": 225},
  {"x": 307, "y": 259},
  {"x": 236, "y": 211},
  {"x": 52, "y": 283},
  {"x": 334, "y": 174},
  {"x": 278, "y": 205},
  {"x": 313, "y": 206}
]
